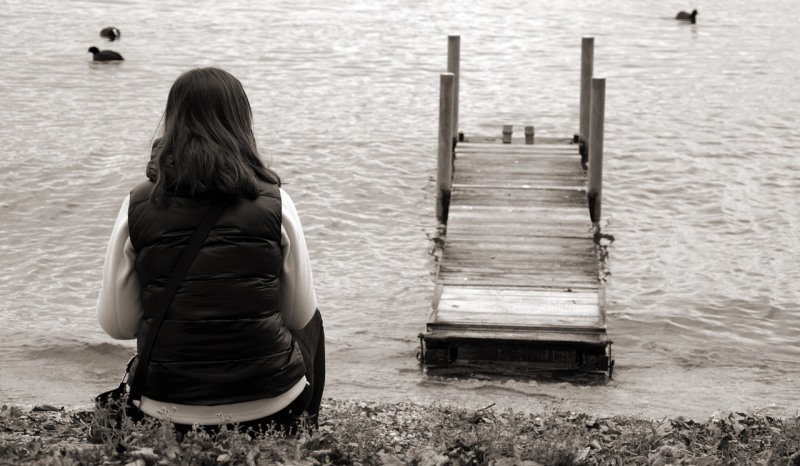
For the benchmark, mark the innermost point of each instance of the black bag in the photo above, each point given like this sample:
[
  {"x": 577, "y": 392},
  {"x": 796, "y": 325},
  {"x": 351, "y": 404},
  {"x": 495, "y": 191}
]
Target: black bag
[{"x": 113, "y": 406}]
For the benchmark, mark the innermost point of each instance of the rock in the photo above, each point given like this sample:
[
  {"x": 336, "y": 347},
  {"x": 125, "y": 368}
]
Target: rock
[
  {"x": 10, "y": 412},
  {"x": 390, "y": 459},
  {"x": 146, "y": 454},
  {"x": 707, "y": 461},
  {"x": 429, "y": 457},
  {"x": 46, "y": 408},
  {"x": 506, "y": 462}
]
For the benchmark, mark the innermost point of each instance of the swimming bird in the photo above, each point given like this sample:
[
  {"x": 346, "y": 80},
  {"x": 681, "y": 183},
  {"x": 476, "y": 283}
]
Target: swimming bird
[
  {"x": 684, "y": 16},
  {"x": 110, "y": 33},
  {"x": 104, "y": 55}
]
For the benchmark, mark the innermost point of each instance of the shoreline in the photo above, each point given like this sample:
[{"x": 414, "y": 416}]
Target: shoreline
[{"x": 360, "y": 432}]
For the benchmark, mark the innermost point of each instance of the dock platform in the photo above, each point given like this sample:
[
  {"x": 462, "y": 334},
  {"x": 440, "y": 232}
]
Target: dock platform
[{"x": 521, "y": 275}]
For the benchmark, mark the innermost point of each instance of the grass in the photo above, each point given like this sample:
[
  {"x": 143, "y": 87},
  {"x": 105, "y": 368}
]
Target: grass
[{"x": 361, "y": 433}]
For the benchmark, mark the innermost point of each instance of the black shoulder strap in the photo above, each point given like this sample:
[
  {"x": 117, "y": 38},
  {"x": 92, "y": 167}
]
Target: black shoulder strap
[{"x": 187, "y": 257}]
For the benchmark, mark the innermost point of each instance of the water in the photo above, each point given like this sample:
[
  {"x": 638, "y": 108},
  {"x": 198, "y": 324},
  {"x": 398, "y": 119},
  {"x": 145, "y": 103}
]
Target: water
[{"x": 701, "y": 180}]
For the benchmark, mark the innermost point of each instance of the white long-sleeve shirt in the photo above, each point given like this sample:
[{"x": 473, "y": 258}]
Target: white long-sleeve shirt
[{"x": 119, "y": 312}]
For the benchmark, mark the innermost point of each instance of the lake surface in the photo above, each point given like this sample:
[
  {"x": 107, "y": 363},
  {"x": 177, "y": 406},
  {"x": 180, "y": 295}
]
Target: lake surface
[{"x": 702, "y": 179}]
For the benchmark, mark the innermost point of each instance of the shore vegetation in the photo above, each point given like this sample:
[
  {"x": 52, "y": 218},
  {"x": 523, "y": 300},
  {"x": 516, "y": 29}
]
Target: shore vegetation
[{"x": 365, "y": 433}]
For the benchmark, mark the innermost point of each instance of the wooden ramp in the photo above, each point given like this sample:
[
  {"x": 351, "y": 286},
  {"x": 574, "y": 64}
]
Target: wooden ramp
[{"x": 520, "y": 277}]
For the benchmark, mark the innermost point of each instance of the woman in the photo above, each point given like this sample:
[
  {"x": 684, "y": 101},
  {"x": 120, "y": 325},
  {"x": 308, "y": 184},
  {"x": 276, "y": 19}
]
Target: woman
[{"x": 242, "y": 341}]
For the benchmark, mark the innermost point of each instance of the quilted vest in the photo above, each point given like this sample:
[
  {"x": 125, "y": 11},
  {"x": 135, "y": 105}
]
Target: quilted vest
[{"x": 223, "y": 339}]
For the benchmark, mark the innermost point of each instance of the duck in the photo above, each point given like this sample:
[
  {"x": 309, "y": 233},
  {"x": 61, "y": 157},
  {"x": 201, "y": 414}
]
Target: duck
[
  {"x": 684, "y": 16},
  {"x": 111, "y": 33},
  {"x": 104, "y": 55}
]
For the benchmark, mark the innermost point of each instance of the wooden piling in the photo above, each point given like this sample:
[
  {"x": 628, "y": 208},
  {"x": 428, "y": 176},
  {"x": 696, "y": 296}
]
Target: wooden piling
[
  {"x": 587, "y": 69},
  {"x": 454, "y": 66},
  {"x": 444, "y": 172},
  {"x": 508, "y": 131},
  {"x": 529, "y": 133},
  {"x": 595, "y": 185}
]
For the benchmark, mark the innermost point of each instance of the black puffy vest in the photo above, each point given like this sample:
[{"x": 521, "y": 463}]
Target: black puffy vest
[{"x": 223, "y": 339}]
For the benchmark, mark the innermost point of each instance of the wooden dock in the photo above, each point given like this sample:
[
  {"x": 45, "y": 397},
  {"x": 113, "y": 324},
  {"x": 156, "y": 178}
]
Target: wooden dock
[{"x": 521, "y": 272}]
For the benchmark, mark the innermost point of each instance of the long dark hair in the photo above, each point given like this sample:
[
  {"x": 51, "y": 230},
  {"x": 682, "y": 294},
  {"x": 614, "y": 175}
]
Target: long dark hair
[{"x": 208, "y": 146}]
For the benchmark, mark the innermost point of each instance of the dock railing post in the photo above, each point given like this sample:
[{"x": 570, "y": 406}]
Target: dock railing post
[
  {"x": 587, "y": 69},
  {"x": 454, "y": 66},
  {"x": 595, "y": 185},
  {"x": 444, "y": 172}
]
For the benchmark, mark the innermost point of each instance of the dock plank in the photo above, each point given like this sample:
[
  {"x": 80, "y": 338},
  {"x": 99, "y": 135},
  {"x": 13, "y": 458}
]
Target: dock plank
[
  {"x": 477, "y": 333},
  {"x": 517, "y": 320},
  {"x": 501, "y": 196}
]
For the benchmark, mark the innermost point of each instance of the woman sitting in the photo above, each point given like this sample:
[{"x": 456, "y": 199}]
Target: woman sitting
[{"x": 242, "y": 341}]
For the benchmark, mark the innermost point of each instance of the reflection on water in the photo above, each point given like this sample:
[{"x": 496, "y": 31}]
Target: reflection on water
[{"x": 701, "y": 178}]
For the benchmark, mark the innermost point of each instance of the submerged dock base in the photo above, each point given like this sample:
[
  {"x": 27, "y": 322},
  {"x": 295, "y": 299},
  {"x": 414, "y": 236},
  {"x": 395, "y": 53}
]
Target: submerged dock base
[{"x": 488, "y": 354}]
